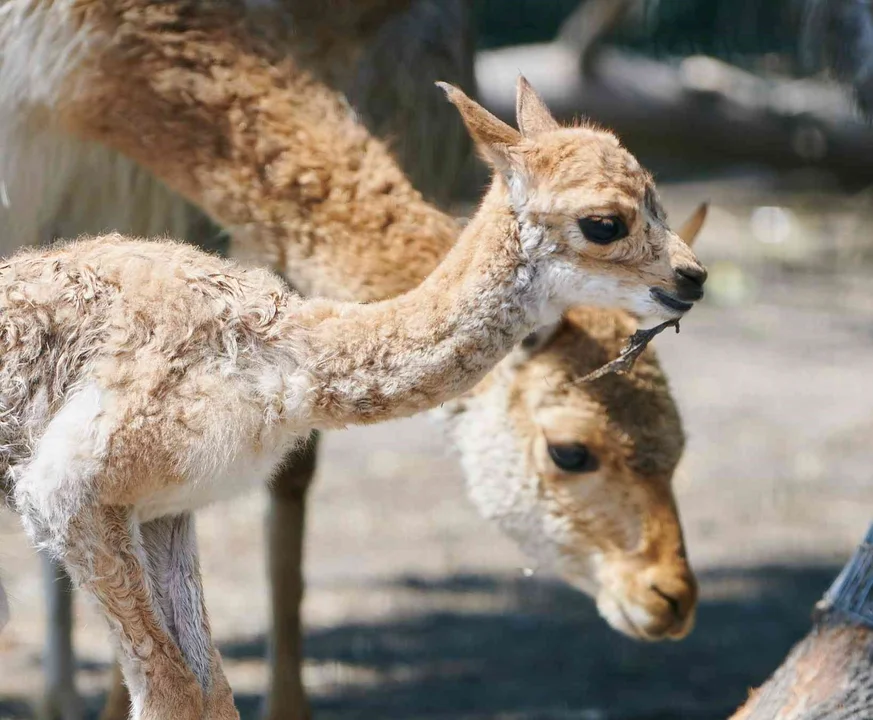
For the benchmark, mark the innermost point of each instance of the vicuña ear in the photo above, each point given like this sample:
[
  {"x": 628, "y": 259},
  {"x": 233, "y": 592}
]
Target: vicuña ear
[
  {"x": 531, "y": 113},
  {"x": 691, "y": 227},
  {"x": 492, "y": 136}
]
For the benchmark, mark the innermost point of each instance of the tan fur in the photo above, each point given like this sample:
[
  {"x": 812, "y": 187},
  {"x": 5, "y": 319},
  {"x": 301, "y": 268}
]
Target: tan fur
[
  {"x": 138, "y": 376},
  {"x": 327, "y": 262},
  {"x": 534, "y": 117},
  {"x": 632, "y": 425},
  {"x": 338, "y": 177},
  {"x": 319, "y": 173},
  {"x": 383, "y": 57}
]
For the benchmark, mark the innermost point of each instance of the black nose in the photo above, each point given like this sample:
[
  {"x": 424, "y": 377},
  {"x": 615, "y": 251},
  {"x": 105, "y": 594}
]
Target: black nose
[{"x": 689, "y": 281}]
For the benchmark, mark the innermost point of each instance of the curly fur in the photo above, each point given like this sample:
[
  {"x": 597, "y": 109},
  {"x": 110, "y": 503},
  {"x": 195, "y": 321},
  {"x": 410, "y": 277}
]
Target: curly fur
[
  {"x": 346, "y": 177},
  {"x": 179, "y": 369}
]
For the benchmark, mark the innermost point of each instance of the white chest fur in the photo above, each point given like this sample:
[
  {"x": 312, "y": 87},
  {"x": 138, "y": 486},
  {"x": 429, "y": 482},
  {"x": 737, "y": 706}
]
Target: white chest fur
[{"x": 217, "y": 481}]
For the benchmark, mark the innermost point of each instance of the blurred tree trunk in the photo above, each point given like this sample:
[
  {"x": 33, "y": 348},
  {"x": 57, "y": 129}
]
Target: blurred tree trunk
[
  {"x": 829, "y": 674},
  {"x": 701, "y": 110}
]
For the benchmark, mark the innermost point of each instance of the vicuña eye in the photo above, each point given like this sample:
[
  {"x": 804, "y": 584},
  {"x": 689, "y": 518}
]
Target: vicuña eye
[
  {"x": 574, "y": 458},
  {"x": 603, "y": 229}
]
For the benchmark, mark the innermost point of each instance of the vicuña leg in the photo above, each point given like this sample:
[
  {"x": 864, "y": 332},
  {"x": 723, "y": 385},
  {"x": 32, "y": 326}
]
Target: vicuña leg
[
  {"x": 286, "y": 698},
  {"x": 174, "y": 573},
  {"x": 103, "y": 551},
  {"x": 106, "y": 556},
  {"x": 61, "y": 701},
  {"x": 117, "y": 705},
  {"x": 101, "y": 547}
]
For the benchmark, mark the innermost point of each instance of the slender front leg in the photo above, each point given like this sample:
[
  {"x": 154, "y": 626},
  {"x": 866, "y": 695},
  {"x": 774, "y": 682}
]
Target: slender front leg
[
  {"x": 104, "y": 553},
  {"x": 174, "y": 572},
  {"x": 286, "y": 698},
  {"x": 62, "y": 701}
]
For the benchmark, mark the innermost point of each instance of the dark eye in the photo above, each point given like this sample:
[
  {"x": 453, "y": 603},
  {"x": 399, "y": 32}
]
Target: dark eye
[
  {"x": 603, "y": 230},
  {"x": 574, "y": 458}
]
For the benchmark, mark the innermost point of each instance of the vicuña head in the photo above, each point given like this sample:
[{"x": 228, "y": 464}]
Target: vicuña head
[
  {"x": 579, "y": 474},
  {"x": 584, "y": 200}
]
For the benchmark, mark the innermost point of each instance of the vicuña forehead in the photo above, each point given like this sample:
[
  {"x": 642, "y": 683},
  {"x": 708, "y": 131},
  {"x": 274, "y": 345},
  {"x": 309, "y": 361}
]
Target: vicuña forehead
[
  {"x": 637, "y": 409},
  {"x": 574, "y": 157}
]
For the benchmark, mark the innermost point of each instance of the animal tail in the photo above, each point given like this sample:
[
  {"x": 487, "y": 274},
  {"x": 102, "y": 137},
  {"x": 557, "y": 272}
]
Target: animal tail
[{"x": 839, "y": 35}]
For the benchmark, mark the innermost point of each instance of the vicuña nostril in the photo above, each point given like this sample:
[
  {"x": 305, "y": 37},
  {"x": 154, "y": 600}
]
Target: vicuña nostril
[
  {"x": 694, "y": 274},
  {"x": 674, "y": 602}
]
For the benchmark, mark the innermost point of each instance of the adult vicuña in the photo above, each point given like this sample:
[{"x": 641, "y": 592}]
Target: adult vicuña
[{"x": 139, "y": 380}]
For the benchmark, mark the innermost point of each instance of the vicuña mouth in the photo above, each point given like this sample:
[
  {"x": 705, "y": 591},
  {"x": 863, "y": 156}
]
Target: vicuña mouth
[
  {"x": 670, "y": 301},
  {"x": 635, "y": 630}
]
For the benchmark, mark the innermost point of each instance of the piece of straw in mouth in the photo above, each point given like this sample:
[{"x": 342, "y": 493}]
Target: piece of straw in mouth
[{"x": 632, "y": 349}]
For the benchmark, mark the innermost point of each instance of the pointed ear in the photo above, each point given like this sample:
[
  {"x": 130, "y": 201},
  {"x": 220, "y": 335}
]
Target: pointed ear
[
  {"x": 492, "y": 136},
  {"x": 691, "y": 227},
  {"x": 531, "y": 113}
]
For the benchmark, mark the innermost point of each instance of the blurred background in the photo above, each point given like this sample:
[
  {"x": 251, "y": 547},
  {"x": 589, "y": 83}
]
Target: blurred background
[{"x": 415, "y": 607}]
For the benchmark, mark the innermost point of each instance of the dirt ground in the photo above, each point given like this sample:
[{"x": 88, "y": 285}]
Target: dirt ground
[{"x": 416, "y": 608}]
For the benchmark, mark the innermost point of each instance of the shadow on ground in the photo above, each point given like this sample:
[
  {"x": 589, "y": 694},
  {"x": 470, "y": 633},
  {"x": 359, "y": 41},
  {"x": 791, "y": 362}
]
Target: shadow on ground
[{"x": 548, "y": 656}]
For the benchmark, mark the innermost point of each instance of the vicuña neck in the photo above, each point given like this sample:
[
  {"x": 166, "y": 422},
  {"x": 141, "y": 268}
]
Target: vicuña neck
[
  {"x": 277, "y": 159},
  {"x": 273, "y": 156},
  {"x": 376, "y": 361}
]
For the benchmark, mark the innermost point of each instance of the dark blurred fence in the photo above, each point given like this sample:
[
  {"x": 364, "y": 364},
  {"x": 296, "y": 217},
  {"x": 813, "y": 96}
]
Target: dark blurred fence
[
  {"x": 516, "y": 22},
  {"x": 743, "y": 98},
  {"x": 733, "y": 30}
]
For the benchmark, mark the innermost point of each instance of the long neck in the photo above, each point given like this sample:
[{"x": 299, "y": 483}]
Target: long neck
[
  {"x": 278, "y": 160},
  {"x": 273, "y": 156},
  {"x": 376, "y": 361}
]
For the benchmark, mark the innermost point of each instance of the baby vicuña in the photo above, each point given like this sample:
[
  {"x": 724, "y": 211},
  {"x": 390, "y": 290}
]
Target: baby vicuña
[{"x": 141, "y": 380}]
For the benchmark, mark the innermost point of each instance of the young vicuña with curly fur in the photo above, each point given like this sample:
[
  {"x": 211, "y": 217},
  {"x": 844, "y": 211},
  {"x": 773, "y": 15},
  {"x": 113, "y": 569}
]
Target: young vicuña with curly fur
[
  {"x": 139, "y": 381},
  {"x": 349, "y": 239}
]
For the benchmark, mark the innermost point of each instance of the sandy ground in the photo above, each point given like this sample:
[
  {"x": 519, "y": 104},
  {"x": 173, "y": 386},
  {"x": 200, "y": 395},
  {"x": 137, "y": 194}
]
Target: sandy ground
[{"x": 417, "y": 608}]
